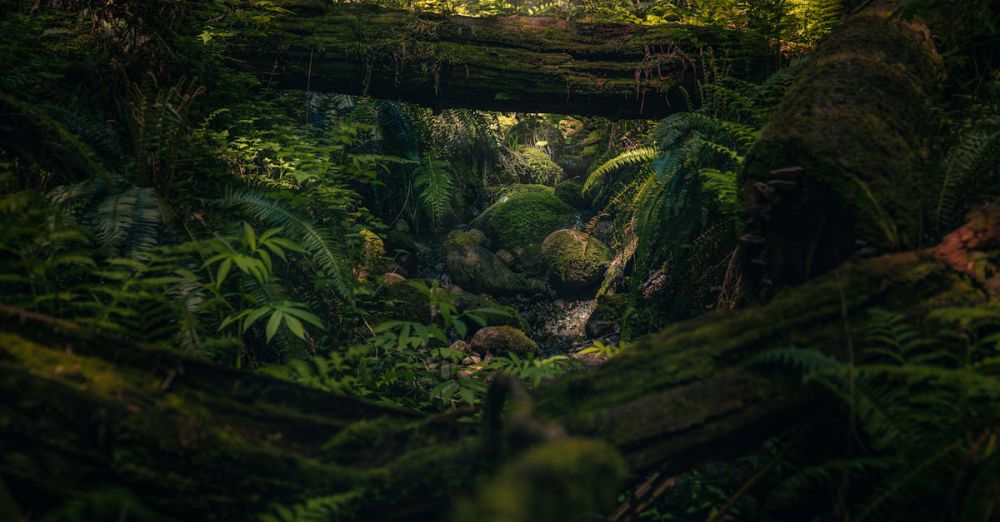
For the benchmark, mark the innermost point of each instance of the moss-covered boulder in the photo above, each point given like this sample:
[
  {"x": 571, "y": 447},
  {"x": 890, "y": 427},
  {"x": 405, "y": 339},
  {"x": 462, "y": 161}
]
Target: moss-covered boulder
[
  {"x": 607, "y": 315},
  {"x": 576, "y": 261},
  {"x": 475, "y": 268},
  {"x": 523, "y": 220},
  {"x": 497, "y": 340},
  {"x": 535, "y": 166},
  {"x": 571, "y": 192},
  {"x": 471, "y": 237}
]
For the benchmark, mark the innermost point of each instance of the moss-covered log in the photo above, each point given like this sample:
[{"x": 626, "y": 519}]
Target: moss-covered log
[
  {"x": 78, "y": 410},
  {"x": 81, "y": 412},
  {"x": 842, "y": 165},
  {"x": 506, "y": 63}
]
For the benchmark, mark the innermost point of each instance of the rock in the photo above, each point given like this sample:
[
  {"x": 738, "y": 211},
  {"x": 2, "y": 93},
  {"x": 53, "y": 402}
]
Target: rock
[
  {"x": 392, "y": 278},
  {"x": 524, "y": 219},
  {"x": 576, "y": 261},
  {"x": 471, "y": 237},
  {"x": 607, "y": 316},
  {"x": 571, "y": 192},
  {"x": 477, "y": 269},
  {"x": 533, "y": 165},
  {"x": 505, "y": 256},
  {"x": 495, "y": 340},
  {"x": 460, "y": 346}
]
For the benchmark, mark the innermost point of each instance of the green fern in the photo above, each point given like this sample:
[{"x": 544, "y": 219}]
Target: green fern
[
  {"x": 436, "y": 187},
  {"x": 319, "y": 509},
  {"x": 128, "y": 223},
  {"x": 626, "y": 159},
  {"x": 320, "y": 244},
  {"x": 971, "y": 168}
]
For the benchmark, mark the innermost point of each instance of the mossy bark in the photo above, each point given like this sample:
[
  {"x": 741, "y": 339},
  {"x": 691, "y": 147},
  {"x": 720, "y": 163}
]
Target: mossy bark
[
  {"x": 505, "y": 63},
  {"x": 191, "y": 439},
  {"x": 842, "y": 166}
]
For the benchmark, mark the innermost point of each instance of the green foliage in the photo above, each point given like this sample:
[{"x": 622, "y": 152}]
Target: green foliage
[
  {"x": 313, "y": 238},
  {"x": 971, "y": 166},
  {"x": 920, "y": 410},
  {"x": 678, "y": 200},
  {"x": 435, "y": 186}
]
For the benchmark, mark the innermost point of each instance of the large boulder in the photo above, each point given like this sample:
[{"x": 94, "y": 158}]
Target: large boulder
[
  {"x": 523, "y": 219},
  {"x": 576, "y": 260},
  {"x": 475, "y": 268},
  {"x": 496, "y": 340},
  {"x": 534, "y": 165}
]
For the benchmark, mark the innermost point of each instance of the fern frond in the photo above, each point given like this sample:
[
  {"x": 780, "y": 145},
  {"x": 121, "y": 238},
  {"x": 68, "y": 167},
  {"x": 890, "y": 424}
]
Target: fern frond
[
  {"x": 128, "y": 222},
  {"x": 436, "y": 187},
  {"x": 316, "y": 240},
  {"x": 625, "y": 159},
  {"x": 970, "y": 169}
]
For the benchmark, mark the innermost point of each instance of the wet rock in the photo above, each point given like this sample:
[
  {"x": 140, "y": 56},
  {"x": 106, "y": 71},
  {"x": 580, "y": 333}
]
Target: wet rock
[
  {"x": 576, "y": 261},
  {"x": 500, "y": 339},
  {"x": 506, "y": 256},
  {"x": 392, "y": 278},
  {"x": 460, "y": 346}
]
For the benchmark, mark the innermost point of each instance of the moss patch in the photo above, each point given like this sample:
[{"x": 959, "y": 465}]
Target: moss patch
[
  {"x": 562, "y": 480},
  {"x": 535, "y": 166},
  {"x": 524, "y": 220},
  {"x": 576, "y": 260},
  {"x": 571, "y": 192}
]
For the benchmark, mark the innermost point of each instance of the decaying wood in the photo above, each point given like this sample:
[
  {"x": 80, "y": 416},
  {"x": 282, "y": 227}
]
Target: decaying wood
[{"x": 504, "y": 63}]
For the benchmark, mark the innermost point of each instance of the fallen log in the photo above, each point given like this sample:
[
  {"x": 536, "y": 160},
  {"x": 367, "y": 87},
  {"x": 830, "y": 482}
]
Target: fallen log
[
  {"x": 193, "y": 440},
  {"x": 521, "y": 64}
]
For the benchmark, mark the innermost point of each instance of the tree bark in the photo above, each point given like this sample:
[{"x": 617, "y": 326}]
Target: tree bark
[
  {"x": 843, "y": 164},
  {"x": 504, "y": 64}
]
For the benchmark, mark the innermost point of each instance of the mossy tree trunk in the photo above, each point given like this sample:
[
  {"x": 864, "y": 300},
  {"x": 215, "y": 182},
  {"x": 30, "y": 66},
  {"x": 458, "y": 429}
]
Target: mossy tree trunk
[
  {"x": 503, "y": 63},
  {"x": 843, "y": 165}
]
